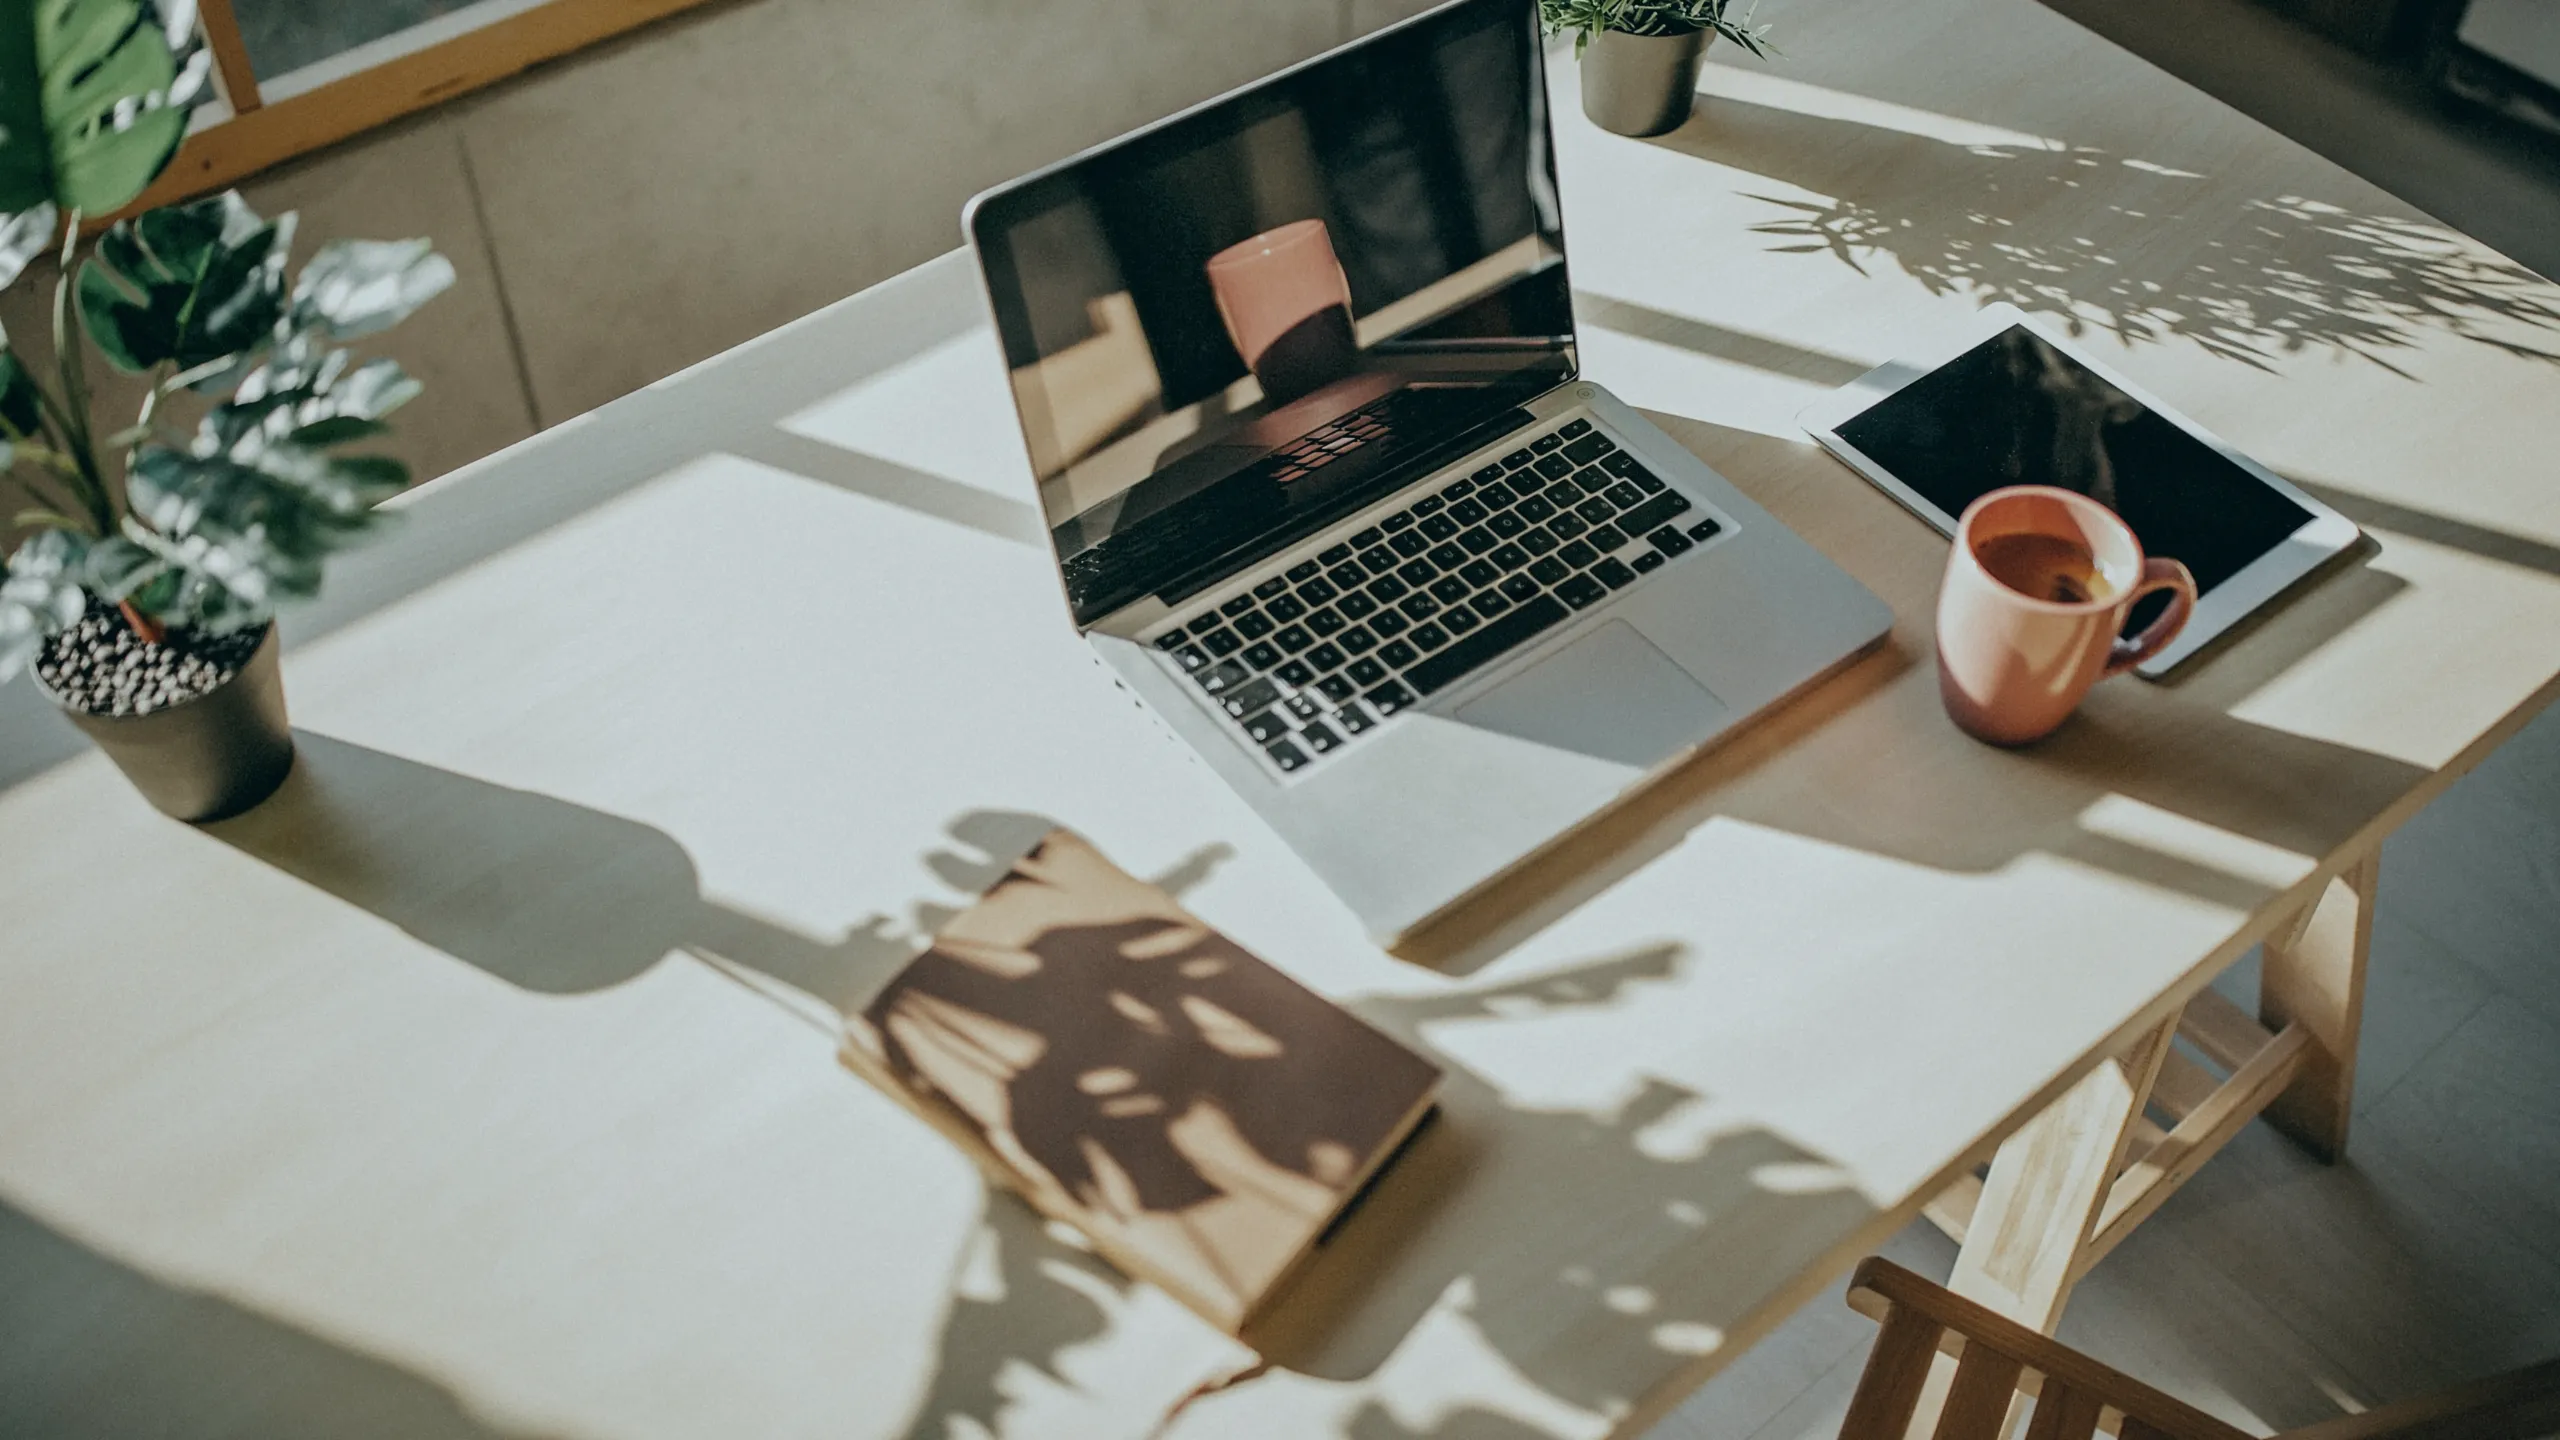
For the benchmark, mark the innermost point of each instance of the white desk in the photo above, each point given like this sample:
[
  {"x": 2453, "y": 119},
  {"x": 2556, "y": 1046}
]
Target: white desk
[{"x": 487, "y": 1074}]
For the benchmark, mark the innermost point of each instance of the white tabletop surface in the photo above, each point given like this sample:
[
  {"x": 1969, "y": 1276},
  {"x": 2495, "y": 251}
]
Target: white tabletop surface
[{"x": 498, "y": 1050}]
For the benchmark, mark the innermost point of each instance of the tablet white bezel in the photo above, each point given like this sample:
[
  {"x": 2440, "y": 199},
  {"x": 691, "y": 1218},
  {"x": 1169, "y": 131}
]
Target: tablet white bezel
[{"x": 2321, "y": 538}]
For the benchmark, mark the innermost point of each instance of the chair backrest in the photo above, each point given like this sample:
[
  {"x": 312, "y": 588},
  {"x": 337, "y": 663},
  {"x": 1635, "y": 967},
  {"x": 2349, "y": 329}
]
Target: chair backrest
[{"x": 1997, "y": 1359}]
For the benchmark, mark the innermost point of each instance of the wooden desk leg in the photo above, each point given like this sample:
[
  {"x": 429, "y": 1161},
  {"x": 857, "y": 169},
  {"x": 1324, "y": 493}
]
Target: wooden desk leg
[
  {"x": 2313, "y": 977},
  {"x": 2041, "y": 1202}
]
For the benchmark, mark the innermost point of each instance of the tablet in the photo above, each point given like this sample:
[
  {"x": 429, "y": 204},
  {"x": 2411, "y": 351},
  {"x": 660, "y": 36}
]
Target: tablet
[{"x": 2015, "y": 407}]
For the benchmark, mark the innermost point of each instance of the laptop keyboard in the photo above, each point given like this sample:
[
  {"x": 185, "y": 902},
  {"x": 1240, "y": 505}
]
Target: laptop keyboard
[{"x": 1317, "y": 655}]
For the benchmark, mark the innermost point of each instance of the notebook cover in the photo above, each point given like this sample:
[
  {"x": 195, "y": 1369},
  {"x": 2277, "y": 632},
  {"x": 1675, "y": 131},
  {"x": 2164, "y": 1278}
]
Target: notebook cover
[{"x": 1131, "y": 1071}]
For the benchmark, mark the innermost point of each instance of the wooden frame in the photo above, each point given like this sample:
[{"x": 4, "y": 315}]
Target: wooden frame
[{"x": 262, "y": 133}]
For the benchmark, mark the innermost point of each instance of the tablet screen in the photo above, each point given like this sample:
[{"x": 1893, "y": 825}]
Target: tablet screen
[{"x": 2015, "y": 410}]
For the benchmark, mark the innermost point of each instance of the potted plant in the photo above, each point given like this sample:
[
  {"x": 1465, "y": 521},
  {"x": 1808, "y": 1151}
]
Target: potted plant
[
  {"x": 144, "y": 591},
  {"x": 1640, "y": 57}
]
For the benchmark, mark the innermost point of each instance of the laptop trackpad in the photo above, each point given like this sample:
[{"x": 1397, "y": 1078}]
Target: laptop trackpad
[{"x": 1609, "y": 694}]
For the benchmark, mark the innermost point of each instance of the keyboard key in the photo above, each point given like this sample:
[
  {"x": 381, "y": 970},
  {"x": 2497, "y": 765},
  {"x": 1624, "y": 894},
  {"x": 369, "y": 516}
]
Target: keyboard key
[
  {"x": 1418, "y": 572},
  {"x": 1447, "y": 557},
  {"x": 1670, "y": 541},
  {"x": 1254, "y": 626},
  {"x": 1325, "y": 657},
  {"x": 1296, "y": 672},
  {"x": 1705, "y": 530},
  {"x": 1402, "y": 519},
  {"x": 1303, "y": 571},
  {"x": 1468, "y": 512},
  {"x": 1389, "y": 698},
  {"x": 1576, "y": 428},
  {"x": 1191, "y": 657},
  {"x": 1621, "y": 463},
  {"x": 1644, "y": 480},
  {"x": 1387, "y": 589},
  {"x": 1388, "y": 623},
  {"x": 1578, "y": 554},
  {"x": 1336, "y": 688},
  {"x": 1399, "y": 654},
  {"x": 1169, "y": 639},
  {"x": 1554, "y": 467},
  {"x": 1516, "y": 459},
  {"x": 1316, "y": 592},
  {"x": 1652, "y": 560},
  {"x": 1509, "y": 557},
  {"x": 1478, "y": 574},
  {"x": 1245, "y": 699},
  {"x": 1652, "y": 513},
  {"x": 1593, "y": 479},
  {"x": 1534, "y": 509},
  {"x": 1366, "y": 671},
  {"x": 1424, "y": 509},
  {"x": 1335, "y": 555},
  {"x": 1221, "y": 641},
  {"x": 1567, "y": 525},
  {"x": 1242, "y": 603},
  {"x": 1545, "y": 443},
  {"x": 1262, "y": 656},
  {"x": 1497, "y": 497},
  {"x": 1221, "y": 678},
  {"x": 1287, "y": 755},
  {"x": 1410, "y": 543},
  {"x": 1508, "y": 524},
  {"x": 1419, "y": 607},
  {"x": 1489, "y": 604},
  {"x": 1429, "y": 637},
  {"x": 1319, "y": 737},
  {"x": 1355, "y": 718},
  {"x": 1356, "y": 606},
  {"x": 1357, "y": 640},
  {"x": 1450, "y": 589},
  {"x": 1561, "y": 493},
  {"x": 1606, "y": 539},
  {"x": 1304, "y": 707},
  {"x": 1285, "y": 609},
  {"x": 1266, "y": 726},
  {"x": 1520, "y": 587},
  {"x": 1614, "y": 574},
  {"x": 1527, "y": 620},
  {"x": 1624, "y": 494},
  {"x": 1460, "y": 620},
  {"x": 1366, "y": 538},
  {"x": 1538, "y": 541},
  {"x": 1293, "y": 639},
  {"x": 1596, "y": 510},
  {"x": 1440, "y": 527},
  {"x": 1490, "y": 472},
  {"x": 1588, "y": 449},
  {"x": 1347, "y": 577},
  {"x": 1326, "y": 621},
  {"x": 1478, "y": 540},
  {"x": 1378, "y": 560},
  {"x": 1458, "y": 492},
  {"x": 1550, "y": 571},
  {"x": 1582, "y": 592}
]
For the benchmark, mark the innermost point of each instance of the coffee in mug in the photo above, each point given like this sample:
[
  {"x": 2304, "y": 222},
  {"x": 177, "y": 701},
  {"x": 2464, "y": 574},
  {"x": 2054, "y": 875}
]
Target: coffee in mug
[{"x": 2037, "y": 588}]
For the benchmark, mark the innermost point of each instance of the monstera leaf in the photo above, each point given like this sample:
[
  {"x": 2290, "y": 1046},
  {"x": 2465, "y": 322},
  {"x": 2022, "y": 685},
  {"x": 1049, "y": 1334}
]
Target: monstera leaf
[
  {"x": 186, "y": 284},
  {"x": 93, "y": 102},
  {"x": 39, "y": 594}
]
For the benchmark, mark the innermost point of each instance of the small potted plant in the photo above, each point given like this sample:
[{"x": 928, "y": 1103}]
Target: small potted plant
[
  {"x": 1640, "y": 57},
  {"x": 143, "y": 592}
]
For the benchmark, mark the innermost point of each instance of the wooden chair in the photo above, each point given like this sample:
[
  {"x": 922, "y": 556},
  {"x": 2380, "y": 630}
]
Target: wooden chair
[{"x": 1997, "y": 1360}]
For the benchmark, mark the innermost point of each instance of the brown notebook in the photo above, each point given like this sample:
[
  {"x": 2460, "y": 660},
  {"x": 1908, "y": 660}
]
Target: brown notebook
[{"x": 1201, "y": 1116}]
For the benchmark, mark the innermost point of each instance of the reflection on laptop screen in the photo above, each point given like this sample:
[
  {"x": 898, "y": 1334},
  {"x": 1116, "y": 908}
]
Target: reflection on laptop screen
[{"x": 1233, "y": 329}]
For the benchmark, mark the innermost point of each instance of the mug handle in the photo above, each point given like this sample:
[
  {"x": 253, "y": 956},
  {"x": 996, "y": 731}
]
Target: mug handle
[{"x": 2157, "y": 574}]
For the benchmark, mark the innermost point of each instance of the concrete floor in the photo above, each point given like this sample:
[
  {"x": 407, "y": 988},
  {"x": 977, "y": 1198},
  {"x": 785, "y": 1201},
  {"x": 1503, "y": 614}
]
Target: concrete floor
[{"x": 624, "y": 214}]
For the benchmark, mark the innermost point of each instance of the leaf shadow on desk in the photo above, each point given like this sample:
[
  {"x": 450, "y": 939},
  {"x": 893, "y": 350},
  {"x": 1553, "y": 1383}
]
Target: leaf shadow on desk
[
  {"x": 2160, "y": 256},
  {"x": 561, "y": 899},
  {"x": 91, "y": 1347}
]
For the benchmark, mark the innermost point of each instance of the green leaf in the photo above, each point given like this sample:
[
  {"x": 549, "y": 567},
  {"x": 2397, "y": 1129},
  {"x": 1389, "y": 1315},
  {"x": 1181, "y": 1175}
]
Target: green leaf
[
  {"x": 21, "y": 411},
  {"x": 25, "y": 235},
  {"x": 337, "y": 430},
  {"x": 356, "y": 287},
  {"x": 40, "y": 595},
  {"x": 93, "y": 99},
  {"x": 185, "y": 284}
]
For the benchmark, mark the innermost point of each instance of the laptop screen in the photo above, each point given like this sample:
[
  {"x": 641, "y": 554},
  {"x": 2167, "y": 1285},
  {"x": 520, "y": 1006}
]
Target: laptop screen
[{"x": 1230, "y": 330}]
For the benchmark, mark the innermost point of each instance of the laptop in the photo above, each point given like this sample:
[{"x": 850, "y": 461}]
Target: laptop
[{"x": 1296, "y": 372}]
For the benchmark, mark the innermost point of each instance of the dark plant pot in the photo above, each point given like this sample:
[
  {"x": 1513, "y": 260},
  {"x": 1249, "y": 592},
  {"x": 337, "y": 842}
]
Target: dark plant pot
[
  {"x": 1641, "y": 84},
  {"x": 206, "y": 758}
]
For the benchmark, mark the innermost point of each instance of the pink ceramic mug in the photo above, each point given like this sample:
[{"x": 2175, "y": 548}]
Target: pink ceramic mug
[
  {"x": 2037, "y": 588},
  {"x": 1287, "y": 307}
]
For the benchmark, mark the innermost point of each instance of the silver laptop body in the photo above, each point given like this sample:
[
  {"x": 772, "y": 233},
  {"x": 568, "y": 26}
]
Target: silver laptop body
[{"x": 1425, "y": 597}]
